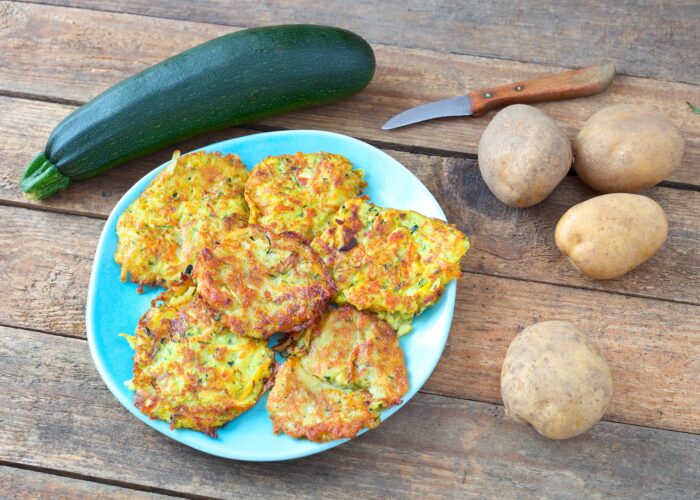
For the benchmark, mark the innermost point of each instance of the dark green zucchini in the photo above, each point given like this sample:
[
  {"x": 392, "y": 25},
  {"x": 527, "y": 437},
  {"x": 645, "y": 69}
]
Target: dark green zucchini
[{"x": 230, "y": 80}]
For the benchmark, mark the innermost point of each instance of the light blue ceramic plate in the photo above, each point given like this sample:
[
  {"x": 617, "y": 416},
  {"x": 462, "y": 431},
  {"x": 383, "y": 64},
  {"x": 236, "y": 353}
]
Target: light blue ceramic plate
[{"x": 114, "y": 307}]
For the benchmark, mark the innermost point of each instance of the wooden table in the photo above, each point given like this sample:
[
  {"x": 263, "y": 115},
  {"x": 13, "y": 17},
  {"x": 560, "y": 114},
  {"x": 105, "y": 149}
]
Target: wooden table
[{"x": 63, "y": 434}]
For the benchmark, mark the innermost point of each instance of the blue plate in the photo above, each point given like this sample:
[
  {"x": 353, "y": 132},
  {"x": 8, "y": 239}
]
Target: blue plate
[{"x": 114, "y": 307}]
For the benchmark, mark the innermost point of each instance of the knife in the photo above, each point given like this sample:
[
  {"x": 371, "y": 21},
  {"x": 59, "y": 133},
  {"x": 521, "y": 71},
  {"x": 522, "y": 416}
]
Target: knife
[{"x": 574, "y": 83}]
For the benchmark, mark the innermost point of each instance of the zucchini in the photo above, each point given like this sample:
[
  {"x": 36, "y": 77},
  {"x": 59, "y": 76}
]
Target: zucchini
[{"x": 227, "y": 81}]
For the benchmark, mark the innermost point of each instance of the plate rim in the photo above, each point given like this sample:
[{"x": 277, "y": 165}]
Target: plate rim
[{"x": 126, "y": 199}]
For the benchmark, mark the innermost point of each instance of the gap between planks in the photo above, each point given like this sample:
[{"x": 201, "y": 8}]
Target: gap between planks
[
  {"x": 496, "y": 403},
  {"x": 243, "y": 25},
  {"x": 83, "y": 340},
  {"x": 650, "y": 342},
  {"x": 58, "y": 210},
  {"x": 578, "y": 287},
  {"x": 99, "y": 480},
  {"x": 470, "y": 435},
  {"x": 256, "y": 127},
  {"x": 392, "y": 89},
  {"x": 144, "y": 488}
]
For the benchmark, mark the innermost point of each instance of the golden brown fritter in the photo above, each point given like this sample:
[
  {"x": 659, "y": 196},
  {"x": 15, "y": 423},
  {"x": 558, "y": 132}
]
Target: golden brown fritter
[
  {"x": 341, "y": 373},
  {"x": 160, "y": 233},
  {"x": 392, "y": 262},
  {"x": 302, "y": 405},
  {"x": 356, "y": 350},
  {"x": 263, "y": 282},
  {"x": 190, "y": 370},
  {"x": 300, "y": 192}
]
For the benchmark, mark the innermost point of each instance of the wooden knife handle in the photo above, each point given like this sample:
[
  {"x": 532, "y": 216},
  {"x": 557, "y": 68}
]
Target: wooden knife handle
[{"x": 575, "y": 83}]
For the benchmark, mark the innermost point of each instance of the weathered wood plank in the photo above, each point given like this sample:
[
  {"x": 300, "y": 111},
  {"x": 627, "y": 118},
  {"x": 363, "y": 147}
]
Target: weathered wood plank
[
  {"x": 46, "y": 261},
  {"x": 652, "y": 346},
  {"x": 65, "y": 53},
  {"x": 23, "y": 483},
  {"x": 527, "y": 31},
  {"x": 520, "y": 242},
  {"x": 58, "y": 414},
  {"x": 509, "y": 242}
]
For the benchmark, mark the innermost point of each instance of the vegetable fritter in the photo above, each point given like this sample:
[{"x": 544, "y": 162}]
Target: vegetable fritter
[
  {"x": 263, "y": 282},
  {"x": 395, "y": 263},
  {"x": 161, "y": 232},
  {"x": 190, "y": 370},
  {"x": 342, "y": 372},
  {"x": 302, "y": 405},
  {"x": 300, "y": 192},
  {"x": 355, "y": 349}
]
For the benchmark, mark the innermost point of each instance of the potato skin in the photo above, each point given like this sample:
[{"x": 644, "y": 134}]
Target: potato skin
[
  {"x": 523, "y": 155},
  {"x": 627, "y": 148},
  {"x": 609, "y": 235},
  {"x": 555, "y": 379}
]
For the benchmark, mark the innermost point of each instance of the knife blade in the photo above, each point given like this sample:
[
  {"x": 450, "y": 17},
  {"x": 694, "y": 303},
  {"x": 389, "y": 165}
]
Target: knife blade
[
  {"x": 563, "y": 85},
  {"x": 454, "y": 106}
]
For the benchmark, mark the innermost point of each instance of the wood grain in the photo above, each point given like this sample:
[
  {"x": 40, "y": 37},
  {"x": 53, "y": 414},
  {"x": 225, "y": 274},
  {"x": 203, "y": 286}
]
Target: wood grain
[
  {"x": 46, "y": 260},
  {"x": 65, "y": 53},
  {"x": 509, "y": 242},
  {"x": 58, "y": 414},
  {"x": 652, "y": 346},
  {"x": 645, "y": 38},
  {"x": 520, "y": 243},
  {"x": 555, "y": 87},
  {"x": 23, "y": 483}
]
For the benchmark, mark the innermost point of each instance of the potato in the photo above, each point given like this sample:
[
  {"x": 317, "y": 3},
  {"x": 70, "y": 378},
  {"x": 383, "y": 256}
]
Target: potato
[
  {"x": 555, "y": 379},
  {"x": 523, "y": 155},
  {"x": 627, "y": 148},
  {"x": 609, "y": 235}
]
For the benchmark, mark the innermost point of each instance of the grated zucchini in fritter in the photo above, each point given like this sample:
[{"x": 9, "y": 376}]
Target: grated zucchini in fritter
[
  {"x": 395, "y": 263},
  {"x": 189, "y": 369},
  {"x": 341, "y": 373},
  {"x": 300, "y": 192},
  {"x": 195, "y": 198},
  {"x": 263, "y": 282}
]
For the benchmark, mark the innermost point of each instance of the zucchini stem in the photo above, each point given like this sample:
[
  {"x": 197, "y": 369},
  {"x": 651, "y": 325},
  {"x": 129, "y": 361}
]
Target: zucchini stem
[{"x": 41, "y": 179}]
